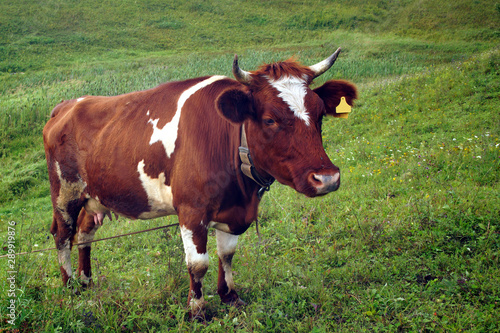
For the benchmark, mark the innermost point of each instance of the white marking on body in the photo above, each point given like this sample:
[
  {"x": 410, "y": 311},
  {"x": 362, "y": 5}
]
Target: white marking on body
[
  {"x": 68, "y": 192},
  {"x": 194, "y": 259},
  {"x": 64, "y": 256},
  {"x": 86, "y": 237},
  {"x": 80, "y": 99},
  {"x": 160, "y": 196},
  {"x": 293, "y": 90},
  {"x": 168, "y": 134},
  {"x": 226, "y": 246}
]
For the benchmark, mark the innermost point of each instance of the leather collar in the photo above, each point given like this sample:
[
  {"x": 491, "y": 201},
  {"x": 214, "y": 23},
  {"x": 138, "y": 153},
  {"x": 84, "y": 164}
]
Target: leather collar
[{"x": 248, "y": 168}]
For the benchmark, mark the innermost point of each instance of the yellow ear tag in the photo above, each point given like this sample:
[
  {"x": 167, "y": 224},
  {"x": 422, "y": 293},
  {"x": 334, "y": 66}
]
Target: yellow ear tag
[{"x": 343, "y": 109}]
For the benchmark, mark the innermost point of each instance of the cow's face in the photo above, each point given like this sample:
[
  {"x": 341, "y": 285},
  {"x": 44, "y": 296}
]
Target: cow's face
[{"x": 282, "y": 117}]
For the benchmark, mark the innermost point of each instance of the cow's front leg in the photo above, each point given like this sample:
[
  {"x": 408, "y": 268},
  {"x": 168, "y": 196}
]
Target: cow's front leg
[
  {"x": 226, "y": 247},
  {"x": 194, "y": 239}
]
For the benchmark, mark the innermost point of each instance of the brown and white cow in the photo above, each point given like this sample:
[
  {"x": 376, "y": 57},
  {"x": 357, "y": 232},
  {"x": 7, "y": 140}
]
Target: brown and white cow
[{"x": 174, "y": 149}]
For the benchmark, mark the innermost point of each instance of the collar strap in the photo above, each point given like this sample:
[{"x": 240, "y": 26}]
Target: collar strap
[{"x": 248, "y": 168}]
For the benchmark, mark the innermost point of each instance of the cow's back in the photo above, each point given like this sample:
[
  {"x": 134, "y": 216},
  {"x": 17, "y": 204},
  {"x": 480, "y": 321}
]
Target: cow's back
[{"x": 117, "y": 145}]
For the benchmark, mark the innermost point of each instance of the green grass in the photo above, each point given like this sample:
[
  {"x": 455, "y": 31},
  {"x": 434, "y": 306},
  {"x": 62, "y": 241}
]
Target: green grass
[{"x": 410, "y": 242}]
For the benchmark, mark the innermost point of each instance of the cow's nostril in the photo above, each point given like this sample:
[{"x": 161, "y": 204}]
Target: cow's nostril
[
  {"x": 316, "y": 178},
  {"x": 325, "y": 183}
]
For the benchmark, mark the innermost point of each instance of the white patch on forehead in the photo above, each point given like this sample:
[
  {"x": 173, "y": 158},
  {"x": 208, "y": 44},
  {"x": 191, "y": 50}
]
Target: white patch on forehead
[
  {"x": 80, "y": 99},
  {"x": 160, "y": 197},
  {"x": 168, "y": 134},
  {"x": 293, "y": 90}
]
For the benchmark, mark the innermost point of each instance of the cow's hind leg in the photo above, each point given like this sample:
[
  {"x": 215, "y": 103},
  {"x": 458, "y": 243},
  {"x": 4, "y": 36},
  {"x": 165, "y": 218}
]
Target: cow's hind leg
[
  {"x": 62, "y": 237},
  {"x": 67, "y": 193},
  {"x": 86, "y": 231},
  {"x": 226, "y": 247}
]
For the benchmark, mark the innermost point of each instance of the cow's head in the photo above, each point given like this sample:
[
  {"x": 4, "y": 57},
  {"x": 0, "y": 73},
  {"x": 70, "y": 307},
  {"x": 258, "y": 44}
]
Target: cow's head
[{"x": 282, "y": 118}]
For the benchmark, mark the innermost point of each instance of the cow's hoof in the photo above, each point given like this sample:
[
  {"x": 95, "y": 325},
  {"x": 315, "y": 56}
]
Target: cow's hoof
[
  {"x": 86, "y": 284},
  {"x": 197, "y": 310},
  {"x": 199, "y": 316},
  {"x": 237, "y": 303},
  {"x": 72, "y": 286}
]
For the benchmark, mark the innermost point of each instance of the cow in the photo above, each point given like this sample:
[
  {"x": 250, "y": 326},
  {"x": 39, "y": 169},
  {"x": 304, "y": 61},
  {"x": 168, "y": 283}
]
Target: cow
[{"x": 204, "y": 149}]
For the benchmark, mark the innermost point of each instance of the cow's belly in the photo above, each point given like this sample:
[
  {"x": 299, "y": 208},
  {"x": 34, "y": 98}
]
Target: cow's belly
[
  {"x": 144, "y": 198},
  {"x": 158, "y": 212}
]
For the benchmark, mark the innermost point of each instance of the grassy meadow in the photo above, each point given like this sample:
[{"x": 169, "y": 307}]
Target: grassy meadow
[{"x": 410, "y": 242}]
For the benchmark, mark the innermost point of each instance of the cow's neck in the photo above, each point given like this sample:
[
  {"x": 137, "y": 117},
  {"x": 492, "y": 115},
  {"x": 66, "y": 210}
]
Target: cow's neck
[{"x": 248, "y": 168}]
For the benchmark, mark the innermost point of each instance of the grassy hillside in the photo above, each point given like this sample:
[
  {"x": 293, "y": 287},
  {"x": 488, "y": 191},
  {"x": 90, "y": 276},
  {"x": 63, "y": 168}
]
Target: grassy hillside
[
  {"x": 409, "y": 243},
  {"x": 59, "y": 33}
]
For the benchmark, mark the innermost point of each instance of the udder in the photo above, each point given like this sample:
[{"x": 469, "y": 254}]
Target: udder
[{"x": 97, "y": 210}]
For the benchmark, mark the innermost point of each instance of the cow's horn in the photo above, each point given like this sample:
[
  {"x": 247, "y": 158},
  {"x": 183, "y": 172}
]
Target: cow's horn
[
  {"x": 240, "y": 75},
  {"x": 324, "y": 65}
]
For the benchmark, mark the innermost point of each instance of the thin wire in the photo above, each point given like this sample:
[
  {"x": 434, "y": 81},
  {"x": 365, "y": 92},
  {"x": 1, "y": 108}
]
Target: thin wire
[{"x": 97, "y": 240}]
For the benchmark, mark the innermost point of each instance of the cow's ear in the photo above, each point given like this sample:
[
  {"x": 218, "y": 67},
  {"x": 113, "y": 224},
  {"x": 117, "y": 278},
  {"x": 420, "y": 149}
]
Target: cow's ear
[
  {"x": 235, "y": 105},
  {"x": 332, "y": 92}
]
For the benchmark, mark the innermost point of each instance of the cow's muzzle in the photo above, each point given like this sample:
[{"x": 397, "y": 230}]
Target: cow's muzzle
[{"x": 324, "y": 182}]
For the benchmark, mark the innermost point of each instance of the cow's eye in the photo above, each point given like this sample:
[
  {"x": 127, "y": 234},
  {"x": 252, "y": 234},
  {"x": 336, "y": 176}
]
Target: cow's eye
[{"x": 269, "y": 121}]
